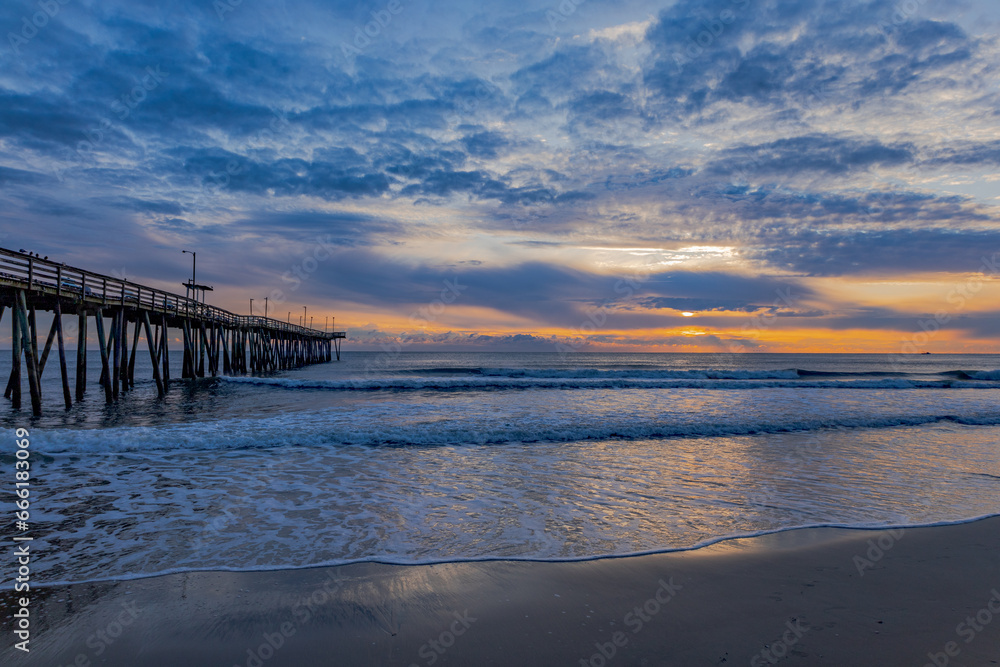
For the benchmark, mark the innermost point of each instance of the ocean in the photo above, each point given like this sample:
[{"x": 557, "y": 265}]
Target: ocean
[{"x": 449, "y": 456}]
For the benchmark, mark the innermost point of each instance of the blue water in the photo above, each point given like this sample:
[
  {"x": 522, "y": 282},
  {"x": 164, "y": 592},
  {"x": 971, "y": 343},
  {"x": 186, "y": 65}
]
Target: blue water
[{"x": 418, "y": 457}]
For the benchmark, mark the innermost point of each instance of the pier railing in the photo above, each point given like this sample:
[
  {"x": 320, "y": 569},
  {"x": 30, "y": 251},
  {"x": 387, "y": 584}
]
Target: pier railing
[{"x": 23, "y": 271}]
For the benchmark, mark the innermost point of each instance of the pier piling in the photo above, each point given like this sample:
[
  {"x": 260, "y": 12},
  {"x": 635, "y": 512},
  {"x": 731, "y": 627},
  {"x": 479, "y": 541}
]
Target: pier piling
[{"x": 227, "y": 343}]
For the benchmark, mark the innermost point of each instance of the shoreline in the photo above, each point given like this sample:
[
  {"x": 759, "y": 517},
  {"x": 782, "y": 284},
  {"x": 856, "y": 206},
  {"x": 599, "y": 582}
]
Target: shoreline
[
  {"x": 815, "y": 532},
  {"x": 816, "y": 596}
]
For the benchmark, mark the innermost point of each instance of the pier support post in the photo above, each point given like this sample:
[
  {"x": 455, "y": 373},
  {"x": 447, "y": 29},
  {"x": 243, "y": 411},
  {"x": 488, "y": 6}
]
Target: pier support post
[
  {"x": 30, "y": 309},
  {"x": 47, "y": 349},
  {"x": 63, "y": 371},
  {"x": 205, "y": 351},
  {"x": 106, "y": 372},
  {"x": 30, "y": 346},
  {"x": 152, "y": 352},
  {"x": 130, "y": 379},
  {"x": 199, "y": 337},
  {"x": 188, "y": 371},
  {"x": 227, "y": 366},
  {"x": 13, "y": 390},
  {"x": 116, "y": 352},
  {"x": 81, "y": 353},
  {"x": 165, "y": 354}
]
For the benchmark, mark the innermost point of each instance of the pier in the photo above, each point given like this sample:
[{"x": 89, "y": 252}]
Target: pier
[{"x": 214, "y": 341}]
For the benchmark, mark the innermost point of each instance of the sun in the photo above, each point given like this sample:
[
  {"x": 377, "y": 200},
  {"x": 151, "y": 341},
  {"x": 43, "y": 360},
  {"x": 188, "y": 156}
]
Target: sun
[{"x": 687, "y": 314}]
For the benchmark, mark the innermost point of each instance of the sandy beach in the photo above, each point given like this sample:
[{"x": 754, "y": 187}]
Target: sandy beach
[{"x": 804, "y": 597}]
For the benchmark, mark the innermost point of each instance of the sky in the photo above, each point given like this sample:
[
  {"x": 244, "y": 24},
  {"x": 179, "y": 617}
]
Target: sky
[{"x": 714, "y": 175}]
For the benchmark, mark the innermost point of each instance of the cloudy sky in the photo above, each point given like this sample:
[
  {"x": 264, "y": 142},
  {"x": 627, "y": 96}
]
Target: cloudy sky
[{"x": 735, "y": 175}]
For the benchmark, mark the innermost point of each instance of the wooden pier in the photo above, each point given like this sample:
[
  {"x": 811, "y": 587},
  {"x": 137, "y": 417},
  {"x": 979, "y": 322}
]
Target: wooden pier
[{"x": 214, "y": 340}]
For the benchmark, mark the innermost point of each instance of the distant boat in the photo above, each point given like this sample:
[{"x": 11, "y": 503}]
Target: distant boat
[{"x": 925, "y": 353}]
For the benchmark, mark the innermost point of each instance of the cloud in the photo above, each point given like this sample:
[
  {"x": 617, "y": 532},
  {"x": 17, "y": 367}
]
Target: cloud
[
  {"x": 480, "y": 143},
  {"x": 853, "y": 252},
  {"x": 484, "y": 144},
  {"x": 702, "y": 304},
  {"x": 967, "y": 153},
  {"x": 786, "y": 53},
  {"x": 15, "y": 176},
  {"x": 833, "y": 155}
]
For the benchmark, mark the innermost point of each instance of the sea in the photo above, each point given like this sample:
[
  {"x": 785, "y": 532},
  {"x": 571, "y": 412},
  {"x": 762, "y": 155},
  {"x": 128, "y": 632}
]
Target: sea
[{"x": 426, "y": 457}]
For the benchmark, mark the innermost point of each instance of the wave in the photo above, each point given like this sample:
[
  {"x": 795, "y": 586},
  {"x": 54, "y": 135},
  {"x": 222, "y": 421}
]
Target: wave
[
  {"x": 596, "y": 373},
  {"x": 506, "y": 382},
  {"x": 702, "y": 374},
  {"x": 834, "y": 374},
  {"x": 323, "y": 429}
]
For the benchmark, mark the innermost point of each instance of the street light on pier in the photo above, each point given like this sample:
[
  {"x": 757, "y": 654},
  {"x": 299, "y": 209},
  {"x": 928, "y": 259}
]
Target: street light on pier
[
  {"x": 194, "y": 265},
  {"x": 251, "y": 307},
  {"x": 192, "y": 285}
]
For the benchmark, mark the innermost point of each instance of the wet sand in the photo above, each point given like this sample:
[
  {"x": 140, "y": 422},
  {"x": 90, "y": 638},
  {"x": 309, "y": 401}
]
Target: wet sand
[{"x": 805, "y": 597}]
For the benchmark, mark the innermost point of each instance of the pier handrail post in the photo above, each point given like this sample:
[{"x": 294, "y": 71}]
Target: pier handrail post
[{"x": 31, "y": 271}]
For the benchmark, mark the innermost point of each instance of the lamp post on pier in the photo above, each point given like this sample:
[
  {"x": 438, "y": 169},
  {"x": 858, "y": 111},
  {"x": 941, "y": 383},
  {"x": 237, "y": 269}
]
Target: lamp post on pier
[
  {"x": 192, "y": 285},
  {"x": 194, "y": 266}
]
